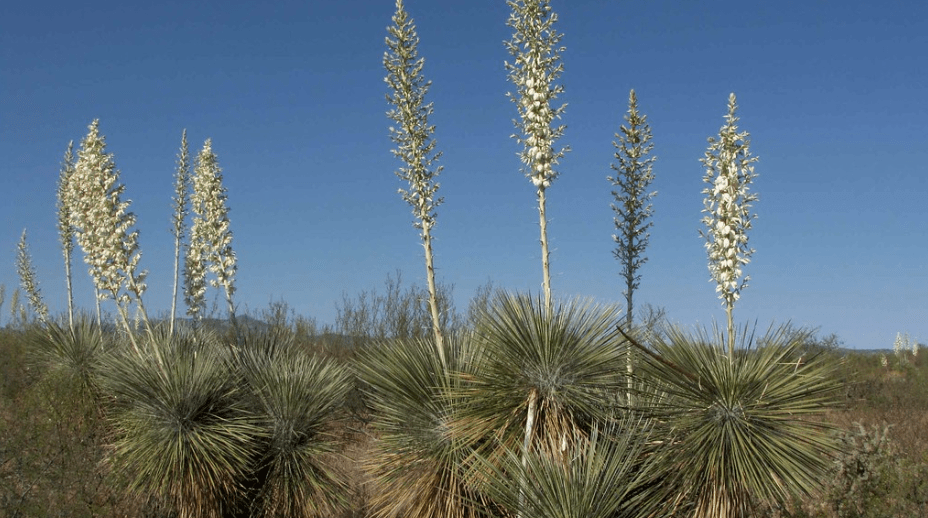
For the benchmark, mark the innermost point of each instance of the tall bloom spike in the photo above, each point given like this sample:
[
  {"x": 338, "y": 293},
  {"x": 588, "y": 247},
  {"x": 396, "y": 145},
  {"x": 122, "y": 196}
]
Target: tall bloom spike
[
  {"x": 210, "y": 249},
  {"x": 29, "y": 280},
  {"x": 179, "y": 218},
  {"x": 632, "y": 207},
  {"x": 412, "y": 135},
  {"x": 536, "y": 67},
  {"x": 65, "y": 230},
  {"x": 729, "y": 174},
  {"x": 103, "y": 226}
]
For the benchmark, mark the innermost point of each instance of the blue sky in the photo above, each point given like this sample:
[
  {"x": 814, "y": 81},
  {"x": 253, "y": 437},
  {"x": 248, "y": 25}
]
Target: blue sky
[{"x": 292, "y": 94}]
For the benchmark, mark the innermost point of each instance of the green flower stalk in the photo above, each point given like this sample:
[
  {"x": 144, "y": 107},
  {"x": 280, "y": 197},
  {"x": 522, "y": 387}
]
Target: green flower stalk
[
  {"x": 65, "y": 230},
  {"x": 178, "y": 220},
  {"x": 210, "y": 249},
  {"x": 632, "y": 207},
  {"x": 16, "y": 309},
  {"x": 534, "y": 72},
  {"x": 29, "y": 281},
  {"x": 103, "y": 227},
  {"x": 729, "y": 174},
  {"x": 415, "y": 146}
]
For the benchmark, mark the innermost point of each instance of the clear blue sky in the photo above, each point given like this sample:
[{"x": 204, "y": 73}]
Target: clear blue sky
[{"x": 292, "y": 94}]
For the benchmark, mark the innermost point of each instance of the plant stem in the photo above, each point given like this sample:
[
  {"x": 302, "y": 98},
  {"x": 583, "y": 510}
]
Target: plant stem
[
  {"x": 545, "y": 255},
  {"x": 433, "y": 294}
]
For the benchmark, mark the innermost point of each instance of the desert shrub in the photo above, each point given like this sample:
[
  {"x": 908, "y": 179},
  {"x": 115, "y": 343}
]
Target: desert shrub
[
  {"x": 872, "y": 480},
  {"x": 54, "y": 434},
  {"x": 400, "y": 312}
]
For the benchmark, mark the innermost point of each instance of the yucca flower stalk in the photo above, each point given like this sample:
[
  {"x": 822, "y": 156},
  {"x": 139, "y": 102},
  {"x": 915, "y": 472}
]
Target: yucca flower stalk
[
  {"x": 15, "y": 308},
  {"x": 103, "y": 227},
  {"x": 632, "y": 207},
  {"x": 729, "y": 173},
  {"x": 65, "y": 230},
  {"x": 210, "y": 249},
  {"x": 179, "y": 219},
  {"x": 412, "y": 135},
  {"x": 536, "y": 67},
  {"x": 899, "y": 346},
  {"x": 29, "y": 281}
]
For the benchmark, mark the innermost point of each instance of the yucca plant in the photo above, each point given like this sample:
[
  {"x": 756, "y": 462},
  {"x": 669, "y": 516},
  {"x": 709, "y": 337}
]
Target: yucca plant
[
  {"x": 541, "y": 378},
  {"x": 183, "y": 428},
  {"x": 72, "y": 352},
  {"x": 298, "y": 399},
  {"x": 417, "y": 463},
  {"x": 612, "y": 473},
  {"x": 744, "y": 427}
]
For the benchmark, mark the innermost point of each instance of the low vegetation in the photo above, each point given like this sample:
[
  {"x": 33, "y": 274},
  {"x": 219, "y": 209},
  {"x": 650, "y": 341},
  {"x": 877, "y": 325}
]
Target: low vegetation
[{"x": 279, "y": 426}]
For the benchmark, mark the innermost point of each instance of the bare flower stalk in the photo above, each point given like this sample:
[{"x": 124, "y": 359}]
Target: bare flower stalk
[
  {"x": 102, "y": 226},
  {"x": 29, "y": 281},
  {"x": 534, "y": 72},
  {"x": 729, "y": 173},
  {"x": 210, "y": 249},
  {"x": 632, "y": 207},
  {"x": 415, "y": 146},
  {"x": 181, "y": 210},
  {"x": 65, "y": 230}
]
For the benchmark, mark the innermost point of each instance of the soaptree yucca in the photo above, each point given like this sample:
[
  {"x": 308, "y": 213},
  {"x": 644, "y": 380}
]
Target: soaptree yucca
[
  {"x": 412, "y": 136},
  {"x": 297, "y": 399},
  {"x": 183, "y": 427},
  {"x": 729, "y": 173},
  {"x": 72, "y": 353},
  {"x": 417, "y": 463},
  {"x": 542, "y": 378},
  {"x": 744, "y": 429},
  {"x": 534, "y": 71},
  {"x": 612, "y": 473}
]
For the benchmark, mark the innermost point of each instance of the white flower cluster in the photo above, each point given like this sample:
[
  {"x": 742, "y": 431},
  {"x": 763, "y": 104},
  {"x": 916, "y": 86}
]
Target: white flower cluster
[
  {"x": 65, "y": 230},
  {"x": 102, "y": 223},
  {"x": 412, "y": 134},
  {"x": 902, "y": 343},
  {"x": 28, "y": 280},
  {"x": 210, "y": 247},
  {"x": 536, "y": 68},
  {"x": 729, "y": 173}
]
